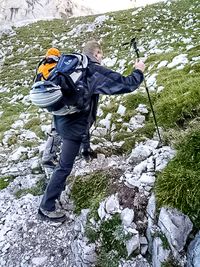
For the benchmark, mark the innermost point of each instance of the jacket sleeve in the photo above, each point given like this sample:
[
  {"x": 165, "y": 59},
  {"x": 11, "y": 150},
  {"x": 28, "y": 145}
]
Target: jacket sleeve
[{"x": 106, "y": 81}]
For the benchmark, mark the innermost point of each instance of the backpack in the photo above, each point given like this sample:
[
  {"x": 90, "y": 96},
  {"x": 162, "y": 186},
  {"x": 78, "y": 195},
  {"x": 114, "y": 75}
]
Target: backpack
[{"x": 62, "y": 92}]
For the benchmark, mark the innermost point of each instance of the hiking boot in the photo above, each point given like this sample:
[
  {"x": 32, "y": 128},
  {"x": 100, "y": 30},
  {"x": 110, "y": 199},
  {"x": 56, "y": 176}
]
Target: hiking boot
[
  {"x": 49, "y": 164},
  {"x": 54, "y": 216},
  {"x": 89, "y": 154}
]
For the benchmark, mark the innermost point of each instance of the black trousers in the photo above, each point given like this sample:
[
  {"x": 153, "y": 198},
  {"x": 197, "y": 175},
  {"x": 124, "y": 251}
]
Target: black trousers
[{"x": 56, "y": 185}]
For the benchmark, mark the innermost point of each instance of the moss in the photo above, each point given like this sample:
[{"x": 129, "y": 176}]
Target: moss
[
  {"x": 5, "y": 181},
  {"x": 36, "y": 190},
  {"x": 178, "y": 185}
]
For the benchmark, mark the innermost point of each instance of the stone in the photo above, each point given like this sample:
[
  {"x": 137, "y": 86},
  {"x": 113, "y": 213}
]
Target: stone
[
  {"x": 140, "y": 153},
  {"x": 127, "y": 216},
  {"x": 175, "y": 226},
  {"x": 138, "y": 261},
  {"x": 193, "y": 253},
  {"x": 121, "y": 110},
  {"x": 140, "y": 168},
  {"x": 147, "y": 178},
  {"x": 39, "y": 261},
  {"x": 180, "y": 59},
  {"x": 132, "y": 244},
  {"x": 88, "y": 254},
  {"x": 136, "y": 122},
  {"x": 159, "y": 254},
  {"x": 101, "y": 210},
  {"x": 142, "y": 109},
  {"x": 107, "y": 121},
  {"x": 112, "y": 204}
]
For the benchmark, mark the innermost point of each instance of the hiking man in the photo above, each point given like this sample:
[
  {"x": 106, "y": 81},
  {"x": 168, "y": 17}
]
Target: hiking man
[{"x": 73, "y": 128}]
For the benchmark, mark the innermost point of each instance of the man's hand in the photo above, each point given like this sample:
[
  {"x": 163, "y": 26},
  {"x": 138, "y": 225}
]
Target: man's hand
[{"x": 139, "y": 65}]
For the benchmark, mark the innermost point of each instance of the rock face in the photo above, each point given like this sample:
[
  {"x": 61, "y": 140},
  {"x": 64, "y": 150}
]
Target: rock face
[
  {"x": 194, "y": 252},
  {"x": 22, "y": 10}
]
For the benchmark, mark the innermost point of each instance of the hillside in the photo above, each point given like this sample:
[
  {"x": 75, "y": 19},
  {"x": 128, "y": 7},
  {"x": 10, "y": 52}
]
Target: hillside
[{"x": 143, "y": 198}]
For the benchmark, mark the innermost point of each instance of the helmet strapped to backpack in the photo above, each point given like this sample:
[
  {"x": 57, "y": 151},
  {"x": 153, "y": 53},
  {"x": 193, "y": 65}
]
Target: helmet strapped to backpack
[
  {"x": 52, "y": 95},
  {"x": 45, "y": 94}
]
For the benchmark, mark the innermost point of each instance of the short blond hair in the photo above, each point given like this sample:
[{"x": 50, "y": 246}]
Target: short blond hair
[{"x": 90, "y": 47}]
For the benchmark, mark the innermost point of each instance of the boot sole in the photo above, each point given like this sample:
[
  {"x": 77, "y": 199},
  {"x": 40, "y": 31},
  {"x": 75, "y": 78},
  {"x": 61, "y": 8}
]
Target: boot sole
[{"x": 44, "y": 217}]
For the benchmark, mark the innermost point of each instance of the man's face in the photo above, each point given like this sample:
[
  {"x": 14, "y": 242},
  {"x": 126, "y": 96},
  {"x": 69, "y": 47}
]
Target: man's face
[{"x": 98, "y": 54}]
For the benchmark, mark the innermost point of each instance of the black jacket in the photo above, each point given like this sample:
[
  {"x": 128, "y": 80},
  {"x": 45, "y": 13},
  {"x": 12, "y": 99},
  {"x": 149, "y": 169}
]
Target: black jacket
[{"x": 99, "y": 80}]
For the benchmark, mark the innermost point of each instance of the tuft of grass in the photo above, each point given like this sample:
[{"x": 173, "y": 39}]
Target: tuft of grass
[
  {"x": 178, "y": 185},
  {"x": 5, "y": 181},
  {"x": 36, "y": 190},
  {"x": 87, "y": 191}
]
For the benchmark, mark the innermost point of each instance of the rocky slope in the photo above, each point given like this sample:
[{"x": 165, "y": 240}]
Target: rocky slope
[
  {"x": 121, "y": 210},
  {"x": 21, "y": 12}
]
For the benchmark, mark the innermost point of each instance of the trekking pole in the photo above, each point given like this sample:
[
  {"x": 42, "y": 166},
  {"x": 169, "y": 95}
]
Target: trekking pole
[{"x": 134, "y": 44}]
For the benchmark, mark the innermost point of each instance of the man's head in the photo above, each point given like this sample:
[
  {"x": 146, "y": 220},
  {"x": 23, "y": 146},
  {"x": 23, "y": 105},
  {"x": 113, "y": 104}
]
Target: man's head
[{"x": 93, "y": 49}]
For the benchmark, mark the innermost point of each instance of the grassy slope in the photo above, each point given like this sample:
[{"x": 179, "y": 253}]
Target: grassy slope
[{"x": 177, "y": 107}]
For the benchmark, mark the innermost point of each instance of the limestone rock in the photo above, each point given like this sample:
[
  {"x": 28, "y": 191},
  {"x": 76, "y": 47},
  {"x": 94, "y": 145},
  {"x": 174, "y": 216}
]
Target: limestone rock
[
  {"x": 193, "y": 253},
  {"x": 175, "y": 226}
]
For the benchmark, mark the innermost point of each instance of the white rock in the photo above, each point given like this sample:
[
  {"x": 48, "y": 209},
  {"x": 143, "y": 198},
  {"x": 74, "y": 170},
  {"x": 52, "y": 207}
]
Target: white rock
[
  {"x": 147, "y": 178},
  {"x": 27, "y": 134},
  {"x": 162, "y": 64},
  {"x": 15, "y": 156},
  {"x": 162, "y": 156},
  {"x": 99, "y": 132},
  {"x": 176, "y": 227},
  {"x": 140, "y": 168},
  {"x": 89, "y": 254},
  {"x": 109, "y": 62},
  {"x": 159, "y": 254},
  {"x": 101, "y": 210},
  {"x": 121, "y": 110},
  {"x": 151, "y": 81},
  {"x": 112, "y": 204},
  {"x": 180, "y": 59},
  {"x": 38, "y": 261},
  {"x": 106, "y": 122},
  {"x": 136, "y": 122},
  {"x": 140, "y": 153},
  {"x": 160, "y": 89},
  {"x": 127, "y": 216},
  {"x": 142, "y": 109},
  {"x": 132, "y": 244}
]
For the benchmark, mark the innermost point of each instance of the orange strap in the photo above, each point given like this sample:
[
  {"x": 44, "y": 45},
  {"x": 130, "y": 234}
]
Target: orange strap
[{"x": 45, "y": 69}]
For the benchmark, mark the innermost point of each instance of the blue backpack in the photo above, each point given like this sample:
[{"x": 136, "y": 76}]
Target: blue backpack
[{"x": 63, "y": 93}]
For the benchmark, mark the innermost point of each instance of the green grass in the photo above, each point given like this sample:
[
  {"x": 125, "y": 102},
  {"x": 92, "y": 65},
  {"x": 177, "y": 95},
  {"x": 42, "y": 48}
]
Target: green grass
[
  {"x": 36, "y": 190},
  {"x": 5, "y": 181},
  {"x": 178, "y": 185},
  {"x": 89, "y": 190}
]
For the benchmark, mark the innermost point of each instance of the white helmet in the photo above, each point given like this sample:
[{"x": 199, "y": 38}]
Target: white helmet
[{"x": 46, "y": 94}]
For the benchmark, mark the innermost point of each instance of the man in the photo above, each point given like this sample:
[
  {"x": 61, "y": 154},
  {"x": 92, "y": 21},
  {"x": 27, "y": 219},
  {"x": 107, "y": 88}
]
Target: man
[{"x": 74, "y": 128}]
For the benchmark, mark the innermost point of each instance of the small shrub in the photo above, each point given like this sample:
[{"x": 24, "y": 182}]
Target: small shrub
[{"x": 112, "y": 239}]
